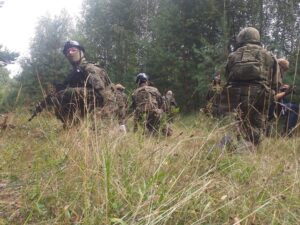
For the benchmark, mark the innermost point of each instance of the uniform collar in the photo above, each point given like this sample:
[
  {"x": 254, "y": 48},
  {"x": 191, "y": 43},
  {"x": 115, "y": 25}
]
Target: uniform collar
[{"x": 82, "y": 64}]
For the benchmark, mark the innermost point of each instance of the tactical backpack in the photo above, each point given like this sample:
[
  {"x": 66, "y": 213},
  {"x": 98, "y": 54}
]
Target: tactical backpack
[
  {"x": 249, "y": 63},
  {"x": 146, "y": 99}
]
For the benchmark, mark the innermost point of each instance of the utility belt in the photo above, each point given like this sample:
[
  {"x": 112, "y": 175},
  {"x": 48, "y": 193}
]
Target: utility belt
[
  {"x": 234, "y": 89},
  {"x": 241, "y": 84},
  {"x": 234, "y": 93}
]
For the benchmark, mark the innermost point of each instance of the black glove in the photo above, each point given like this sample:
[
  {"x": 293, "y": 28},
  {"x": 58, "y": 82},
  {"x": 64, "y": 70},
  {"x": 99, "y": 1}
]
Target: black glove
[{"x": 289, "y": 90}]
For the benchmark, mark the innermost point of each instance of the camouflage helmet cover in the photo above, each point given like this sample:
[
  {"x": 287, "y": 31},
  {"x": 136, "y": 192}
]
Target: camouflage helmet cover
[
  {"x": 70, "y": 44},
  {"x": 248, "y": 35},
  {"x": 120, "y": 87},
  {"x": 283, "y": 63}
]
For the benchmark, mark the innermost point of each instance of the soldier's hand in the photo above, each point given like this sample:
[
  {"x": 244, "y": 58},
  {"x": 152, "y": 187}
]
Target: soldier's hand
[{"x": 289, "y": 90}]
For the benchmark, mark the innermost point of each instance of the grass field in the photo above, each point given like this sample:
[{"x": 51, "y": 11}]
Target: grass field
[{"x": 100, "y": 176}]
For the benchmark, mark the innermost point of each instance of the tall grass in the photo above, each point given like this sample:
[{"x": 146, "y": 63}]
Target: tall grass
[{"x": 97, "y": 175}]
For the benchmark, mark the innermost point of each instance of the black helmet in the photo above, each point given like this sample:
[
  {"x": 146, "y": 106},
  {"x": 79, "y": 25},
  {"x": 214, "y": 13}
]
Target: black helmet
[
  {"x": 141, "y": 78},
  {"x": 70, "y": 44}
]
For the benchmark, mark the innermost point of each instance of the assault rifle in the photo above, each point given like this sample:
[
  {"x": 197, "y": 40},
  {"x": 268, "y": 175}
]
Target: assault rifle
[
  {"x": 41, "y": 106},
  {"x": 49, "y": 100}
]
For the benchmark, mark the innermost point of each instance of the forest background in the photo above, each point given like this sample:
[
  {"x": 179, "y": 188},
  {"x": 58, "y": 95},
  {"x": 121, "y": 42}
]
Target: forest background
[{"x": 180, "y": 44}]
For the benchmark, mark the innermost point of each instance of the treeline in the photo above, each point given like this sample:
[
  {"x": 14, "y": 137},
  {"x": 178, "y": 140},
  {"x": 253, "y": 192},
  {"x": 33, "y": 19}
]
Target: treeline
[
  {"x": 7, "y": 86},
  {"x": 181, "y": 44}
]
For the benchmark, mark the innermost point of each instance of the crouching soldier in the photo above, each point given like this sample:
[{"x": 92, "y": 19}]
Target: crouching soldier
[
  {"x": 86, "y": 87},
  {"x": 147, "y": 104},
  {"x": 213, "y": 97},
  {"x": 252, "y": 75}
]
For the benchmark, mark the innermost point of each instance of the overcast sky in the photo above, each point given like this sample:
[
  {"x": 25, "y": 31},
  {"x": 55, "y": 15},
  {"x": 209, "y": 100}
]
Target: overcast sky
[{"x": 18, "y": 19}]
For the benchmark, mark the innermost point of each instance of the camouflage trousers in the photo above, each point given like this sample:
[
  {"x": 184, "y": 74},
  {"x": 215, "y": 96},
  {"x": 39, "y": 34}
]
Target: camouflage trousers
[
  {"x": 73, "y": 104},
  {"x": 251, "y": 104},
  {"x": 151, "y": 121}
]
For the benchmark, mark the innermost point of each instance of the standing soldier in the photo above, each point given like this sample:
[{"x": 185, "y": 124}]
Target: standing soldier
[
  {"x": 170, "y": 109},
  {"x": 213, "y": 97},
  {"x": 122, "y": 102},
  {"x": 86, "y": 87},
  {"x": 252, "y": 76},
  {"x": 170, "y": 105},
  {"x": 147, "y": 104}
]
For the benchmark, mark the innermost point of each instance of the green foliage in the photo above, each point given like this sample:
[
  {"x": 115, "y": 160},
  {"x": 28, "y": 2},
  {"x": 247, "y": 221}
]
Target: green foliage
[
  {"x": 8, "y": 91},
  {"x": 7, "y": 56}
]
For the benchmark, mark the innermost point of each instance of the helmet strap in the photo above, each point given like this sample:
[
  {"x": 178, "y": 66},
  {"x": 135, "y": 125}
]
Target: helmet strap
[{"x": 81, "y": 57}]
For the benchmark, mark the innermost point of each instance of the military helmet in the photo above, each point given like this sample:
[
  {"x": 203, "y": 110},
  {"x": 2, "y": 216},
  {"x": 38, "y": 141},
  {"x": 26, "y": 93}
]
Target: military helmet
[
  {"x": 248, "y": 35},
  {"x": 283, "y": 63},
  {"x": 70, "y": 44},
  {"x": 141, "y": 78},
  {"x": 217, "y": 77},
  {"x": 169, "y": 93},
  {"x": 120, "y": 87}
]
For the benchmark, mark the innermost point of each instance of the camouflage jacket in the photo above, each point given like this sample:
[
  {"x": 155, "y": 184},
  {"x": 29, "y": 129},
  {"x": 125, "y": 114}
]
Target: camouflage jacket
[
  {"x": 90, "y": 76},
  {"x": 146, "y": 98}
]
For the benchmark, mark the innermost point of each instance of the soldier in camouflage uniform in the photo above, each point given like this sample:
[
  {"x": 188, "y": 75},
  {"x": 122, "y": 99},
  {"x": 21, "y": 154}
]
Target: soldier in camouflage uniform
[
  {"x": 170, "y": 111},
  {"x": 122, "y": 102},
  {"x": 252, "y": 75},
  {"x": 170, "y": 105},
  {"x": 213, "y": 97},
  {"x": 84, "y": 89},
  {"x": 147, "y": 104}
]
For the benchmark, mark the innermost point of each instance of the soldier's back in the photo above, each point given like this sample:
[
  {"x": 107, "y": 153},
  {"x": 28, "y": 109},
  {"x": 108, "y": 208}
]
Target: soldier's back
[
  {"x": 146, "y": 98},
  {"x": 250, "y": 64}
]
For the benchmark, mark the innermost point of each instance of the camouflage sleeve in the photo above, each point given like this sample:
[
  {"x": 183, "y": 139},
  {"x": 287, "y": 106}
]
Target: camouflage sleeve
[
  {"x": 133, "y": 103},
  {"x": 159, "y": 100},
  {"x": 99, "y": 81},
  {"x": 96, "y": 81}
]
